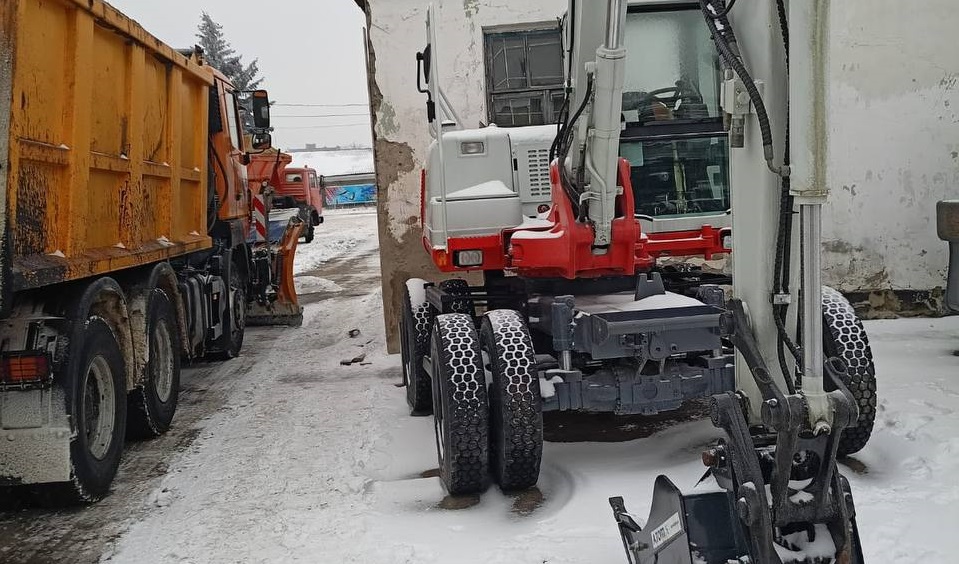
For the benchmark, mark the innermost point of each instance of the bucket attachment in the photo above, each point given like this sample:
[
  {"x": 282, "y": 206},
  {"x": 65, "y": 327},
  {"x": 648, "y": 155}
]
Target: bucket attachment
[
  {"x": 772, "y": 495},
  {"x": 280, "y": 306}
]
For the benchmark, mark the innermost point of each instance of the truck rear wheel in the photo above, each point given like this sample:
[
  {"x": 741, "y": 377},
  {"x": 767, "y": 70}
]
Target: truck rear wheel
[
  {"x": 98, "y": 412},
  {"x": 153, "y": 405},
  {"x": 231, "y": 342},
  {"x": 415, "y": 340},
  {"x": 516, "y": 413},
  {"x": 845, "y": 337},
  {"x": 460, "y": 407}
]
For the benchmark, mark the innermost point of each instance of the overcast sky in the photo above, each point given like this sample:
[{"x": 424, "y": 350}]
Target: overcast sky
[{"x": 310, "y": 52}]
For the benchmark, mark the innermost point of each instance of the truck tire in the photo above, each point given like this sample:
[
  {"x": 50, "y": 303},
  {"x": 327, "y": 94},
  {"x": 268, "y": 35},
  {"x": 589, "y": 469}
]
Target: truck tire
[
  {"x": 460, "y": 408},
  {"x": 415, "y": 340},
  {"x": 845, "y": 337},
  {"x": 458, "y": 288},
  {"x": 516, "y": 411},
  {"x": 153, "y": 404},
  {"x": 232, "y": 342},
  {"x": 98, "y": 412},
  {"x": 310, "y": 233}
]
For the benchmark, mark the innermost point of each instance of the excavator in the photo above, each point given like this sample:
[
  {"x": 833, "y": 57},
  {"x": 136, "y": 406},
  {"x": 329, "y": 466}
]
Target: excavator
[{"x": 668, "y": 105}]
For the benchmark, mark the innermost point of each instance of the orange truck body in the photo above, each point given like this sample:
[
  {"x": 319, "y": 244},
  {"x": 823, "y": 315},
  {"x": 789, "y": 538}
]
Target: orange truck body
[
  {"x": 101, "y": 166},
  {"x": 123, "y": 185}
]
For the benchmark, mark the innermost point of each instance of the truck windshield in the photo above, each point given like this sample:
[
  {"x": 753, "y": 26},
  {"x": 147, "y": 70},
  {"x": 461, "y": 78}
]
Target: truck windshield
[{"x": 674, "y": 138}]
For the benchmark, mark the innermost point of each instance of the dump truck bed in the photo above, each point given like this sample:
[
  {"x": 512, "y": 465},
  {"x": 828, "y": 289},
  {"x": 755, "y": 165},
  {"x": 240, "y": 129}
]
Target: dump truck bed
[{"x": 103, "y": 153}]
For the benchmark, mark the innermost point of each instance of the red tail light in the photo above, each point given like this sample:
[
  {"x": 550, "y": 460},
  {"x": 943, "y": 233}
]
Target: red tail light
[{"x": 24, "y": 368}]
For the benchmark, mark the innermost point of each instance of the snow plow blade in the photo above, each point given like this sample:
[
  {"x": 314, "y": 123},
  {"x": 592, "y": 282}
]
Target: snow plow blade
[
  {"x": 772, "y": 494},
  {"x": 281, "y": 306}
]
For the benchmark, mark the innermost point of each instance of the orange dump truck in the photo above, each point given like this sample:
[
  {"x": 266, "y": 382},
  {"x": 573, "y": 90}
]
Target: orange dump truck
[{"x": 125, "y": 240}]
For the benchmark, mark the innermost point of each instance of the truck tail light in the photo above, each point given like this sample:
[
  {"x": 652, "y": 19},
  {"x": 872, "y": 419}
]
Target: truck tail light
[{"x": 24, "y": 368}]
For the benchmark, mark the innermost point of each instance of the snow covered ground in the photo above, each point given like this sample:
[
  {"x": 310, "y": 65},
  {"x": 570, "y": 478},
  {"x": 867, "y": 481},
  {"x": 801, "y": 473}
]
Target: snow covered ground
[{"x": 303, "y": 459}]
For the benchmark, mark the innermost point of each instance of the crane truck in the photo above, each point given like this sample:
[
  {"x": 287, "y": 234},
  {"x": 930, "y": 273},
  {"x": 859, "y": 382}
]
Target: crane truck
[
  {"x": 126, "y": 237},
  {"x": 576, "y": 313}
]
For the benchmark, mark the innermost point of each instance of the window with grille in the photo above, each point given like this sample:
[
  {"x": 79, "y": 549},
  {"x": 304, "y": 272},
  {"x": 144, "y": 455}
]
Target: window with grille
[{"x": 524, "y": 76}]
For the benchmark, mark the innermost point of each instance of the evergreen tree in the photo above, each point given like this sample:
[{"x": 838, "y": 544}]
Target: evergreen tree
[{"x": 221, "y": 56}]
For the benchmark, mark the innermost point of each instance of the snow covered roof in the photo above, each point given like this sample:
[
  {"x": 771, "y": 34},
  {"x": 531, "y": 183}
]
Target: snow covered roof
[{"x": 336, "y": 163}]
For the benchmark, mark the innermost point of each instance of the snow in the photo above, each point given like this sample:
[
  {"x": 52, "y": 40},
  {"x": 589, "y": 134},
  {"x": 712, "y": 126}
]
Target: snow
[
  {"x": 335, "y": 163},
  {"x": 417, "y": 289},
  {"x": 315, "y": 284},
  {"x": 626, "y": 302},
  {"x": 310, "y": 461}
]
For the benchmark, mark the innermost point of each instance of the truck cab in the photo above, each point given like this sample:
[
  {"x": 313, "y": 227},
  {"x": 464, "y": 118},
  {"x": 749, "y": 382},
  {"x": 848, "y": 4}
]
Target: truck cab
[{"x": 300, "y": 188}]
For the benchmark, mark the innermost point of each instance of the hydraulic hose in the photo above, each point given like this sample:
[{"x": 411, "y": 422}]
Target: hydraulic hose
[{"x": 736, "y": 63}]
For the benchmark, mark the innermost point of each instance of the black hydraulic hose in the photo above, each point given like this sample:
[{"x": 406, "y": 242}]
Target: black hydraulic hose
[
  {"x": 735, "y": 62},
  {"x": 782, "y": 268},
  {"x": 725, "y": 11},
  {"x": 563, "y": 150},
  {"x": 563, "y": 115}
]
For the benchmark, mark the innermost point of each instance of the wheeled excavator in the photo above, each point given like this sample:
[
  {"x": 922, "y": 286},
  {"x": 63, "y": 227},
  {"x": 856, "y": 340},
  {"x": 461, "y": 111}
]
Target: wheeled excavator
[{"x": 576, "y": 311}]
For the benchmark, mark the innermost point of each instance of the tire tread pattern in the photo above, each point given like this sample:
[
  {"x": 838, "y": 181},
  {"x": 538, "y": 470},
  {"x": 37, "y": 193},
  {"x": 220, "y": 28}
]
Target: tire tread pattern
[
  {"x": 845, "y": 337},
  {"x": 460, "y": 397},
  {"x": 516, "y": 427}
]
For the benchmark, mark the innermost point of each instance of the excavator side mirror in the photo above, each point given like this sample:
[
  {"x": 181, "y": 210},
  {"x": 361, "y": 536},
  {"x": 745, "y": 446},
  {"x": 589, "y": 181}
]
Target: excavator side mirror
[
  {"x": 423, "y": 61},
  {"x": 261, "y": 109},
  {"x": 262, "y": 142}
]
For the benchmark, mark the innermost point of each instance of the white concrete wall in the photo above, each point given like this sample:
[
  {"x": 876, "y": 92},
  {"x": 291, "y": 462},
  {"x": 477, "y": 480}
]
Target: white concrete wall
[{"x": 894, "y": 68}]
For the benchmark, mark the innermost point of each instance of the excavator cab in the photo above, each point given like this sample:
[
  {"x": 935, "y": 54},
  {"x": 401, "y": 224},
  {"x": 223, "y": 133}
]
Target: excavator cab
[{"x": 673, "y": 134}]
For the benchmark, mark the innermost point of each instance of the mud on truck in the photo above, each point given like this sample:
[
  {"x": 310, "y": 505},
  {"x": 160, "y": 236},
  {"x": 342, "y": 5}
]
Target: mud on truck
[{"x": 125, "y": 237}]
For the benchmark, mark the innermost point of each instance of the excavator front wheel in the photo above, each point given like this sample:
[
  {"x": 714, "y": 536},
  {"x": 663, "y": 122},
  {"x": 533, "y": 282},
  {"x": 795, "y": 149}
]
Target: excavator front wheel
[{"x": 845, "y": 337}]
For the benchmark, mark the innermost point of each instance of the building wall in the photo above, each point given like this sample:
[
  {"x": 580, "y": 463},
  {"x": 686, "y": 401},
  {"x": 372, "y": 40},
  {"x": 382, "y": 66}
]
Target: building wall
[
  {"x": 894, "y": 87},
  {"x": 397, "y": 30},
  {"x": 894, "y": 146}
]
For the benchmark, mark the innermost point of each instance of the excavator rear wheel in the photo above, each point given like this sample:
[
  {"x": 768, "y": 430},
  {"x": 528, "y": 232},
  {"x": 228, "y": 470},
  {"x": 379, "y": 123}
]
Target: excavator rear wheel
[
  {"x": 460, "y": 290},
  {"x": 516, "y": 414},
  {"x": 415, "y": 341},
  {"x": 460, "y": 406},
  {"x": 845, "y": 337}
]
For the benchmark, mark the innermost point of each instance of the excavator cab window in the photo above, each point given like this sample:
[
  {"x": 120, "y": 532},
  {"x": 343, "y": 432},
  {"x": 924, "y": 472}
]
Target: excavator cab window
[{"x": 674, "y": 137}]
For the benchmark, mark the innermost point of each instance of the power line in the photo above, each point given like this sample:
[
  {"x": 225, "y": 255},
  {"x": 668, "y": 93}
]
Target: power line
[
  {"x": 321, "y": 105},
  {"x": 324, "y": 126},
  {"x": 324, "y": 115}
]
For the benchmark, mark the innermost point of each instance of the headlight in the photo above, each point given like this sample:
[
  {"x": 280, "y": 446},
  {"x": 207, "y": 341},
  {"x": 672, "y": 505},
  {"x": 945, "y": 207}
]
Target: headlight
[
  {"x": 728, "y": 242},
  {"x": 469, "y": 258},
  {"x": 472, "y": 148}
]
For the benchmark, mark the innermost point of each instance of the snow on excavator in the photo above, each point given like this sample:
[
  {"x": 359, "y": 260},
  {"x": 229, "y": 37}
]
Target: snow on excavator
[{"x": 577, "y": 312}]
